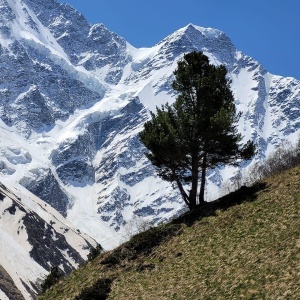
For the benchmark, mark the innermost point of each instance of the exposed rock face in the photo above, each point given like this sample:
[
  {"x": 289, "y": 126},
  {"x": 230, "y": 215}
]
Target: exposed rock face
[
  {"x": 91, "y": 46},
  {"x": 8, "y": 287},
  {"x": 43, "y": 183}
]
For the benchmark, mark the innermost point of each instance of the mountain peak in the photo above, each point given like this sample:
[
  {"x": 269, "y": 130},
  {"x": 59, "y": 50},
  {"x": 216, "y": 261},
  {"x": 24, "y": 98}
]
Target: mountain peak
[
  {"x": 207, "y": 31},
  {"x": 213, "y": 42}
]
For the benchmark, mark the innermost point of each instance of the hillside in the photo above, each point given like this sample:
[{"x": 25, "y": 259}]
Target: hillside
[{"x": 246, "y": 245}]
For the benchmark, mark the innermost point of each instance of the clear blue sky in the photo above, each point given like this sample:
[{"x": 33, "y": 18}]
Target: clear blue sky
[{"x": 267, "y": 30}]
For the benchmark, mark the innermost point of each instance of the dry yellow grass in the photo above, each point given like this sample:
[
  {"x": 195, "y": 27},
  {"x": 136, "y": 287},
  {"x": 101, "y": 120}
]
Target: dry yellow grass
[{"x": 246, "y": 250}]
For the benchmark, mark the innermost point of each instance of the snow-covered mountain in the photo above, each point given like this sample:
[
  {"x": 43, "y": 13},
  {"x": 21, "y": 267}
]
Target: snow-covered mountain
[
  {"x": 33, "y": 238},
  {"x": 74, "y": 96}
]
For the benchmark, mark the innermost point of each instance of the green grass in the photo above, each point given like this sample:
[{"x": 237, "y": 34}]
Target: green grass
[{"x": 244, "y": 246}]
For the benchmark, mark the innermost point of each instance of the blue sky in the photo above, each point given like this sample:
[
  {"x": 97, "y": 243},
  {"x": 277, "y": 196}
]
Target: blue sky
[{"x": 267, "y": 30}]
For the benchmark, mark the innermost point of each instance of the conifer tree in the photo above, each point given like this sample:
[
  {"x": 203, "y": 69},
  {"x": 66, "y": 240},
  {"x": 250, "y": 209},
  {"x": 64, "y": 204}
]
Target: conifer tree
[
  {"x": 53, "y": 277},
  {"x": 197, "y": 132}
]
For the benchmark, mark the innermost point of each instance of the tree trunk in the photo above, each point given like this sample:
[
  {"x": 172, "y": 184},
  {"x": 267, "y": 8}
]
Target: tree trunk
[
  {"x": 203, "y": 175},
  {"x": 194, "y": 187},
  {"x": 183, "y": 193}
]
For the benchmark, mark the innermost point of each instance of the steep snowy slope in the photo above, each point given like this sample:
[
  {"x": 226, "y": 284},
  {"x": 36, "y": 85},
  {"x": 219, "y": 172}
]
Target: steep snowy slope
[{"x": 74, "y": 96}]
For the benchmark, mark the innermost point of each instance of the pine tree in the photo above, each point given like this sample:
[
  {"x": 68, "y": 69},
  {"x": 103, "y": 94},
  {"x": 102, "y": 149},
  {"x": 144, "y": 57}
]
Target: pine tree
[
  {"x": 52, "y": 278},
  {"x": 197, "y": 132}
]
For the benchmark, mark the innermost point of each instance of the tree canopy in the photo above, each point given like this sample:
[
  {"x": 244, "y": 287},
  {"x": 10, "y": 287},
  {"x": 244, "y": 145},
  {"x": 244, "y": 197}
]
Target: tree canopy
[{"x": 199, "y": 131}]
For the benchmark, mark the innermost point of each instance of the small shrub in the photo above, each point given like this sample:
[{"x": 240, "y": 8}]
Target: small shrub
[
  {"x": 118, "y": 255},
  {"x": 147, "y": 240},
  {"x": 98, "y": 291},
  {"x": 142, "y": 243},
  {"x": 53, "y": 277},
  {"x": 284, "y": 158},
  {"x": 94, "y": 252},
  {"x": 136, "y": 225},
  {"x": 145, "y": 266}
]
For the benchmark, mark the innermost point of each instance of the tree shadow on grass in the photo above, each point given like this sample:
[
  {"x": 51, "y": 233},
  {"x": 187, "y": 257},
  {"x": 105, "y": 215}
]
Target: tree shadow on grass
[
  {"x": 244, "y": 194},
  {"x": 145, "y": 242}
]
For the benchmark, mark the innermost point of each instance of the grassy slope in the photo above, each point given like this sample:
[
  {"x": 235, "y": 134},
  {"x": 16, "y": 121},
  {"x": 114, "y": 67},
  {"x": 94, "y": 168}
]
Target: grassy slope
[{"x": 246, "y": 246}]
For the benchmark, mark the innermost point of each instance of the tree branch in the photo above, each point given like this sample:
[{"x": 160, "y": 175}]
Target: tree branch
[{"x": 183, "y": 193}]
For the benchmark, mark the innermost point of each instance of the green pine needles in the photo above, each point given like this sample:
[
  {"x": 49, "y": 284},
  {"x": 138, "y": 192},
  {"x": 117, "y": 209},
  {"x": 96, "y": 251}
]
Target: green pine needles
[{"x": 199, "y": 131}]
